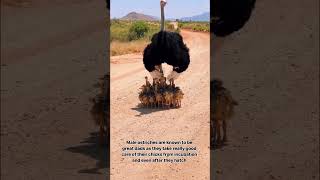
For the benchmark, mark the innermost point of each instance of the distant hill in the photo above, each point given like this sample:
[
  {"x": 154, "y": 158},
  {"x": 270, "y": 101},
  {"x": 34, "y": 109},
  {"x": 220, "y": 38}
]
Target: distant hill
[
  {"x": 201, "y": 17},
  {"x": 134, "y": 16}
]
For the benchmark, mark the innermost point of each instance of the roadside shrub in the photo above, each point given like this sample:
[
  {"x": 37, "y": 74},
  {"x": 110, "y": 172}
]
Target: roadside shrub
[
  {"x": 195, "y": 26},
  {"x": 170, "y": 27},
  {"x": 138, "y": 30}
]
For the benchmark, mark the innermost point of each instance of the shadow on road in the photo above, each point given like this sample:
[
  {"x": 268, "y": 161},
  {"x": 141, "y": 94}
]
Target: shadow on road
[
  {"x": 144, "y": 110},
  {"x": 216, "y": 45},
  {"x": 92, "y": 148}
]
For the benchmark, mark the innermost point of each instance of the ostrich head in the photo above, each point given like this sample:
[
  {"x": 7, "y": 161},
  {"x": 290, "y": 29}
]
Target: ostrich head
[{"x": 163, "y": 3}]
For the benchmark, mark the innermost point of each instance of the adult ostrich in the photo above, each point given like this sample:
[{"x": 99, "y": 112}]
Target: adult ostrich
[
  {"x": 230, "y": 15},
  {"x": 166, "y": 47}
]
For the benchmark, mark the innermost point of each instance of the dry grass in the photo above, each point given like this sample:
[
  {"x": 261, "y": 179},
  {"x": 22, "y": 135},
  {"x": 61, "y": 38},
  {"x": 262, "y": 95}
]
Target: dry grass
[
  {"x": 120, "y": 48},
  {"x": 195, "y": 26},
  {"x": 122, "y": 44}
]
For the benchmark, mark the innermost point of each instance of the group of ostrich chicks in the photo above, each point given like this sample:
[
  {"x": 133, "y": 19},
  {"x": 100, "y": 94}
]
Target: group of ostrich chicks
[{"x": 159, "y": 94}]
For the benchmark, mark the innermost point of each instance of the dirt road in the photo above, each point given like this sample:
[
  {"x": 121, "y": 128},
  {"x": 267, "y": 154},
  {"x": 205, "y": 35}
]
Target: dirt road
[
  {"x": 191, "y": 122},
  {"x": 272, "y": 68},
  {"x": 51, "y": 56}
]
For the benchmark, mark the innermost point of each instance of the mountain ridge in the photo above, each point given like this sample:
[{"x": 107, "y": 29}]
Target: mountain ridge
[
  {"x": 201, "y": 17},
  {"x": 135, "y": 16}
]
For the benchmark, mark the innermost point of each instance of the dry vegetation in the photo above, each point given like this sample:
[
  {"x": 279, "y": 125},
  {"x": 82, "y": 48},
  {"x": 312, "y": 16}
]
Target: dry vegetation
[
  {"x": 119, "y": 48},
  {"x": 195, "y": 26},
  {"x": 132, "y": 36}
]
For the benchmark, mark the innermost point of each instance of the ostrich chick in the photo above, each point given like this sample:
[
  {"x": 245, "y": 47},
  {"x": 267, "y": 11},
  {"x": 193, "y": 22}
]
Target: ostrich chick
[
  {"x": 145, "y": 89},
  {"x": 145, "y": 100},
  {"x": 178, "y": 96},
  {"x": 159, "y": 99},
  {"x": 168, "y": 96},
  {"x": 163, "y": 82},
  {"x": 158, "y": 96},
  {"x": 152, "y": 100},
  {"x": 223, "y": 109},
  {"x": 147, "y": 82},
  {"x": 140, "y": 96}
]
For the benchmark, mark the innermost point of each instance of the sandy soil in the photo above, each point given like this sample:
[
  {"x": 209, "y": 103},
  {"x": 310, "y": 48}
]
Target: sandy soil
[
  {"x": 51, "y": 56},
  {"x": 272, "y": 68},
  {"x": 191, "y": 122}
]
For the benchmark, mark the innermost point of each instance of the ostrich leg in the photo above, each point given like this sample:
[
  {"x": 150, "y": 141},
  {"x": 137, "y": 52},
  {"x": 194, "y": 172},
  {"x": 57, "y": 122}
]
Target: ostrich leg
[
  {"x": 171, "y": 82},
  {"x": 159, "y": 68}
]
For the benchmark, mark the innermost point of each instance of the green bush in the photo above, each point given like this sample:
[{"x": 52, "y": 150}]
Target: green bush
[
  {"x": 121, "y": 29},
  {"x": 169, "y": 27},
  {"x": 138, "y": 30}
]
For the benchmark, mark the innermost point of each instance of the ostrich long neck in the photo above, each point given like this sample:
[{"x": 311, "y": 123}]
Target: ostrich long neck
[{"x": 162, "y": 18}]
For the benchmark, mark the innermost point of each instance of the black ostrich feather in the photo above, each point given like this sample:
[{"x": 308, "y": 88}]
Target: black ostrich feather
[{"x": 230, "y": 15}]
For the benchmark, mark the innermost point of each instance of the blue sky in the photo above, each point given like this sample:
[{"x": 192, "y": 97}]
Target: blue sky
[{"x": 173, "y": 9}]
